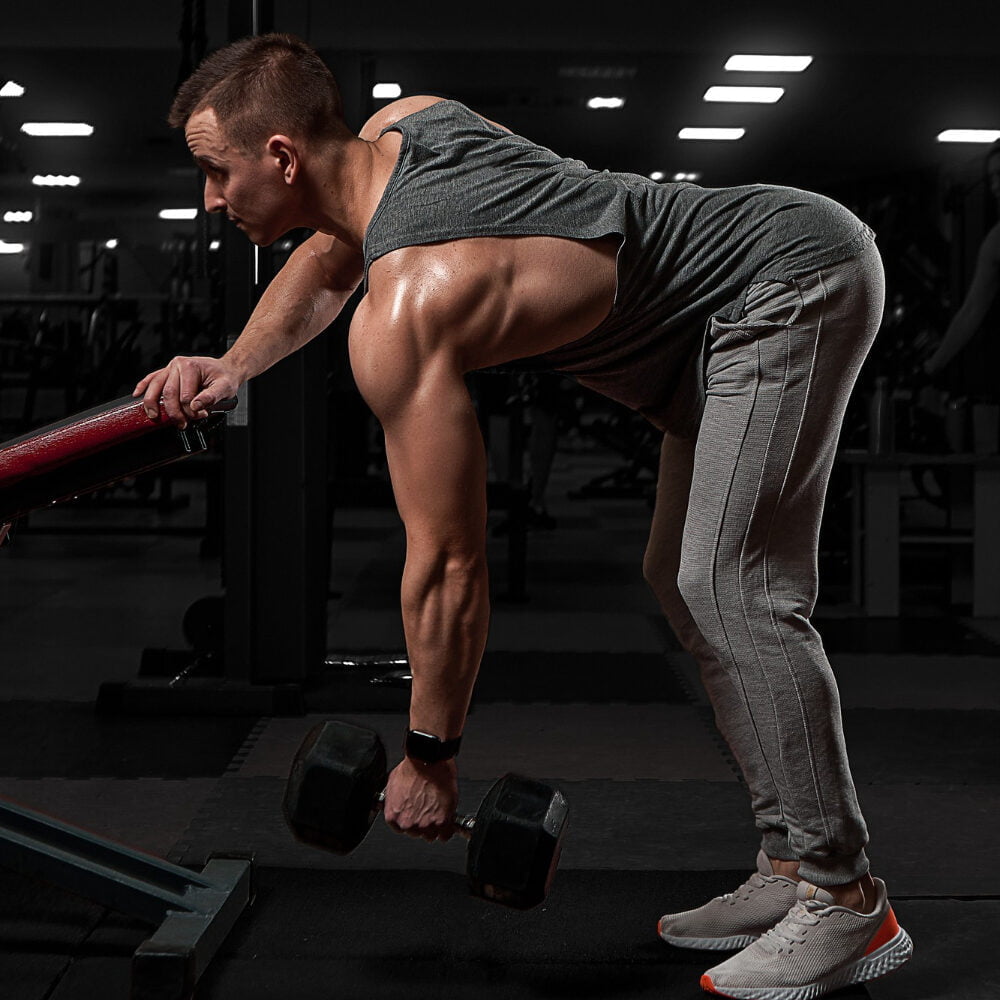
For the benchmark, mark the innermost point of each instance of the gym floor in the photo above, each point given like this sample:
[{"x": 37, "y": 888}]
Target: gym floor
[{"x": 582, "y": 686}]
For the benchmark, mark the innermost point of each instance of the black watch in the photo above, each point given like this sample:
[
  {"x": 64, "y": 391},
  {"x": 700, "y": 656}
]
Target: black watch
[{"x": 429, "y": 749}]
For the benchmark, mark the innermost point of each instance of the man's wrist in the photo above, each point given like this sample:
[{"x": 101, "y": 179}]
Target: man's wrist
[{"x": 427, "y": 748}]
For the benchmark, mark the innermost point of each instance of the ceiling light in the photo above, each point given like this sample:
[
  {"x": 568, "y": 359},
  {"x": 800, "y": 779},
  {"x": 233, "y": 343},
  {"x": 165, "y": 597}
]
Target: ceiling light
[
  {"x": 606, "y": 103},
  {"x": 969, "y": 135},
  {"x": 387, "y": 91},
  {"x": 657, "y": 175},
  {"x": 768, "y": 64},
  {"x": 17, "y": 216},
  {"x": 11, "y": 247},
  {"x": 11, "y": 89},
  {"x": 57, "y": 128},
  {"x": 215, "y": 244},
  {"x": 178, "y": 213},
  {"x": 745, "y": 95},
  {"x": 680, "y": 176},
  {"x": 111, "y": 244},
  {"x": 55, "y": 180},
  {"x": 711, "y": 133}
]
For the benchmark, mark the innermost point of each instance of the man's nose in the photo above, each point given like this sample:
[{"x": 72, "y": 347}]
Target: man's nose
[{"x": 214, "y": 202}]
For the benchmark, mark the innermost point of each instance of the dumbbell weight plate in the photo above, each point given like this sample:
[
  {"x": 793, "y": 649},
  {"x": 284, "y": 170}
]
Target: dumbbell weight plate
[
  {"x": 331, "y": 799},
  {"x": 516, "y": 842}
]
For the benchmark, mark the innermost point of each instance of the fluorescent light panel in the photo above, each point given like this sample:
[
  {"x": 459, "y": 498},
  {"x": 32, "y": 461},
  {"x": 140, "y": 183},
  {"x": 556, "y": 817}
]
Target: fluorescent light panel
[
  {"x": 728, "y": 134},
  {"x": 11, "y": 247},
  {"x": 606, "y": 103},
  {"x": 55, "y": 180},
  {"x": 178, "y": 213},
  {"x": 11, "y": 89},
  {"x": 387, "y": 91},
  {"x": 767, "y": 64},
  {"x": 744, "y": 95},
  {"x": 969, "y": 135},
  {"x": 57, "y": 128},
  {"x": 18, "y": 216}
]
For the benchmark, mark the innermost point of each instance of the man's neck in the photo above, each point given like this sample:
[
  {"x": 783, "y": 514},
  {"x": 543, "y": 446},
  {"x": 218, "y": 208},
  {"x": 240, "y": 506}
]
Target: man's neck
[{"x": 346, "y": 186}]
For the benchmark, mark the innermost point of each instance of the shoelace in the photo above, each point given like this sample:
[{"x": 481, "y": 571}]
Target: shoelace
[
  {"x": 791, "y": 930},
  {"x": 756, "y": 881}
]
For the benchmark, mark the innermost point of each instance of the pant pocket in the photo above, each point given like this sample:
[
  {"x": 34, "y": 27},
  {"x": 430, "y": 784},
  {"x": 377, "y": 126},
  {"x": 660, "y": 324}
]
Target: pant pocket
[{"x": 766, "y": 305}]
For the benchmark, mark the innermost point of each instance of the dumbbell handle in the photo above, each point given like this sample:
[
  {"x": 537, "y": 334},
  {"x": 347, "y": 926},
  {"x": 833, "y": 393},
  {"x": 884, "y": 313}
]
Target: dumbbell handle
[{"x": 465, "y": 824}]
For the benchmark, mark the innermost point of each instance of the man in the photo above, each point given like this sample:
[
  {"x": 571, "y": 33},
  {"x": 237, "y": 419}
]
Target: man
[
  {"x": 735, "y": 320},
  {"x": 982, "y": 291}
]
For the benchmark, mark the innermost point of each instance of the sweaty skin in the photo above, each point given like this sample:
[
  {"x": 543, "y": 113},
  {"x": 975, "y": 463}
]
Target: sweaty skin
[{"x": 432, "y": 314}]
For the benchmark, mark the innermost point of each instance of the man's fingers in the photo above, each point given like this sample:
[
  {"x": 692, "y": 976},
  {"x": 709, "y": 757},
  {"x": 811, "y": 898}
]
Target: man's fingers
[
  {"x": 172, "y": 400},
  {"x": 203, "y": 402},
  {"x": 191, "y": 378},
  {"x": 152, "y": 393}
]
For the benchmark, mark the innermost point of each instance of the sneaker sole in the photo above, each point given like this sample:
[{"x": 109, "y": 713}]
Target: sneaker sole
[{"x": 880, "y": 962}]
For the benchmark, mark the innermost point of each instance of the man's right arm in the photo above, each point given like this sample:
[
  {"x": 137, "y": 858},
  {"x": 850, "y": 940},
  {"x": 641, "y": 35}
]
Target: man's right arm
[{"x": 301, "y": 301}]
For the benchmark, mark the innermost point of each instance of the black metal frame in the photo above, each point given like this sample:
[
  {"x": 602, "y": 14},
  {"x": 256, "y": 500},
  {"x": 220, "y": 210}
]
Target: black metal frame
[{"x": 194, "y": 913}]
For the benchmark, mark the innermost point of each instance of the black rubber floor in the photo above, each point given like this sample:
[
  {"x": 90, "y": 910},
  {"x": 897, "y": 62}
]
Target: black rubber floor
[{"x": 420, "y": 936}]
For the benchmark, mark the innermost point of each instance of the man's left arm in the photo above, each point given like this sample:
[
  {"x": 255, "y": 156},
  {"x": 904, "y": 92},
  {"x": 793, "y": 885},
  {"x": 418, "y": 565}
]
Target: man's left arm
[{"x": 437, "y": 463}]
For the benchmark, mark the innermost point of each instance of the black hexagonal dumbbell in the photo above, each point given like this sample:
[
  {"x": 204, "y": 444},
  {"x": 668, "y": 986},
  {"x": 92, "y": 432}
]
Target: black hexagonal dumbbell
[{"x": 336, "y": 788}]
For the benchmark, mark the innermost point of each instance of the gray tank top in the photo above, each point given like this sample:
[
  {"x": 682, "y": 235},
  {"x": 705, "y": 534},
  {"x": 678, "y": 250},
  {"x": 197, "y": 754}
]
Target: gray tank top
[{"x": 687, "y": 254}]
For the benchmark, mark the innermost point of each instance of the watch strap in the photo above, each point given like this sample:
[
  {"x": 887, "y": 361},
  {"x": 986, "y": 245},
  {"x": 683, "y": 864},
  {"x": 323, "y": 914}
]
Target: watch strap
[{"x": 428, "y": 748}]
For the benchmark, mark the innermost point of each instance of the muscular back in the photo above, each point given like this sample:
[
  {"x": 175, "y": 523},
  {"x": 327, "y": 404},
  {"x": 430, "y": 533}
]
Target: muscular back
[{"x": 495, "y": 299}]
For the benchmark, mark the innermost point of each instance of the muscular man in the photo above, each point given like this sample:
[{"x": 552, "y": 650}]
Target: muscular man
[{"x": 735, "y": 320}]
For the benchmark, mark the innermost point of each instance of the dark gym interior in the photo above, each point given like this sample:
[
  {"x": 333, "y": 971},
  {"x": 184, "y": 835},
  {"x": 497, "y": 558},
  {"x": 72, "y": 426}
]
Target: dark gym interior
[{"x": 168, "y": 641}]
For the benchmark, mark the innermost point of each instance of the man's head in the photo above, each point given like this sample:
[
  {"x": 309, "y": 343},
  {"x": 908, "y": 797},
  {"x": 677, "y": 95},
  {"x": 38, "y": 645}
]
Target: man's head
[
  {"x": 251, "y": 113},
  {"x": 262, "y": 86}
]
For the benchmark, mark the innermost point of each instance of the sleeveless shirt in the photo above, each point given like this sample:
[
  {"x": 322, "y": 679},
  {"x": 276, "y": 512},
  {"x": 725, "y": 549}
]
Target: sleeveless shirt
[{"x": 687, "y": 253}]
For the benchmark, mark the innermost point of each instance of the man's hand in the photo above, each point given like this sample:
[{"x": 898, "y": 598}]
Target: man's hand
[
  {"x": 189, "y": 387},
  {"x": 420, "y": 799}
]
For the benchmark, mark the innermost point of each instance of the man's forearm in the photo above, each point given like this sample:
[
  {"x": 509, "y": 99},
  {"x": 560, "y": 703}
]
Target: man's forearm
[
  {"x": 958, "y": 334},
  {"x": 445, "y": 620},
  {"x": 298, "y": 305}
]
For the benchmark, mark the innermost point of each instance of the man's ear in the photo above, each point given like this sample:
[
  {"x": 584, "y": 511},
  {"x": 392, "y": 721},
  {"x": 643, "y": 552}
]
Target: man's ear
[{"x": 285, "y": 156}]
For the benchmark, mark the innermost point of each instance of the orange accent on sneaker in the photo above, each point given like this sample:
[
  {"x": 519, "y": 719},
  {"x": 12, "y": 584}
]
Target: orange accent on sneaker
[
  {"x": 888, "y": 930},
  {"x": 709, "y": 987}
]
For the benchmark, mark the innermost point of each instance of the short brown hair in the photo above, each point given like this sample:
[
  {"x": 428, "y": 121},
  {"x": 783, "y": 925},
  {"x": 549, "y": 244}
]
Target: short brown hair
[{"x": 262, "y": 86}]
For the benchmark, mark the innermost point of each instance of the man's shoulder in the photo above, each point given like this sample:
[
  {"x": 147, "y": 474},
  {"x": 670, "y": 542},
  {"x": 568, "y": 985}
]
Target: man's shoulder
[{"x": 388, "y": 116}]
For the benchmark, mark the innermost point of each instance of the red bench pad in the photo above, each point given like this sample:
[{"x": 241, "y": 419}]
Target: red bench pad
[{"x": 91, "y": 450}]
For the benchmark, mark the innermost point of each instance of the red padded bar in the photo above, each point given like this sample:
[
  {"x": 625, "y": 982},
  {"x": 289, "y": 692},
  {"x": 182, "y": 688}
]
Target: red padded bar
[{"x": 68, "y": 441}]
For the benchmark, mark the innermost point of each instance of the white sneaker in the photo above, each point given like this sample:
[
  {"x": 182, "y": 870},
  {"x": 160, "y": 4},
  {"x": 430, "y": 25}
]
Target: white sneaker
[
  {"x": 735, "y": 919},
  {"x": 818, "y": 947}
]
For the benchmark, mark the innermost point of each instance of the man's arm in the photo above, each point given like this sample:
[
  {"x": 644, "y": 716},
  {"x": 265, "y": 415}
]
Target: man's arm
[
  {"x": 300, "y": 302},
  {"x": 415, "y": 385},
  {"x": 982, "y": 292}
]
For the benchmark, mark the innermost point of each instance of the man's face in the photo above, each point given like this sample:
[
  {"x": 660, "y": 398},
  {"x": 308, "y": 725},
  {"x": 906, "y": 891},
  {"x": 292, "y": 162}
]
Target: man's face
[{"x": 248, "y": 187}]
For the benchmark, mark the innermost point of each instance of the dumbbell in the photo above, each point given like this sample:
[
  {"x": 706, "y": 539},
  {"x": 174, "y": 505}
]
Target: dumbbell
[{"x": 336, "y": 788}]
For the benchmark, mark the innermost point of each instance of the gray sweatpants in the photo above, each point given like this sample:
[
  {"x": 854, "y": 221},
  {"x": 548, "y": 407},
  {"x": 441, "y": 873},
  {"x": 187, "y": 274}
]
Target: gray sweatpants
[{"x": 732, "y": 554}]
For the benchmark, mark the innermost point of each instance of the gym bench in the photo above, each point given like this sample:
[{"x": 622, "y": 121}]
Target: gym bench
[{"x": 193, "y": 912}]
